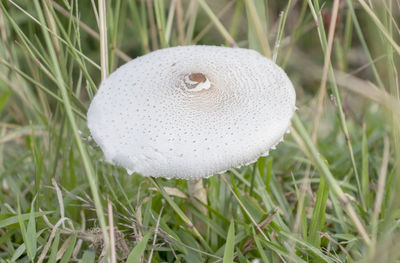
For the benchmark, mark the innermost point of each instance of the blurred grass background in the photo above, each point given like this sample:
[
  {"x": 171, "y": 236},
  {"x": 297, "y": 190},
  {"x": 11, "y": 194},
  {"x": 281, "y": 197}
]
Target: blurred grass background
[{"x": 329, "y": 193}]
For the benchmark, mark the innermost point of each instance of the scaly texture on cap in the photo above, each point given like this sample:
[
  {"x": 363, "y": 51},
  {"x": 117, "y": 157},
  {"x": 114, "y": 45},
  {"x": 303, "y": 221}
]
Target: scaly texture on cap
[{"x": 191, "y": 111}]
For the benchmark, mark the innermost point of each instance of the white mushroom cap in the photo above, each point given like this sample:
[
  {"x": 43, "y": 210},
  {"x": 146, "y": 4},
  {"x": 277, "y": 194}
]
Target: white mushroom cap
[{"x": 191, "y": 111}]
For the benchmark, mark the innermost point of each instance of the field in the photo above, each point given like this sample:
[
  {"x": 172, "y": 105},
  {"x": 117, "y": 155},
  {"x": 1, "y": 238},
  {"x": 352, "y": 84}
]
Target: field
[{"x": 329, "y": 193}]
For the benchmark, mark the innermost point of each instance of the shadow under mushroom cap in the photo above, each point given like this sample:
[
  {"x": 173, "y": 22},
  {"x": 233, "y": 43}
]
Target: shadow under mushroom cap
[{"x": 191, "y": 111}]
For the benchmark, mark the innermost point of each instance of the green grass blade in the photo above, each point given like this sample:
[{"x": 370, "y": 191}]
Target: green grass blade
[
  {"x": 68, "y": 108},
  {"x": 364, "y": 167},
  {"x": 160, "y": 20},
  {"x": 230, "y": 244},
  {"x": 333, "y": 184},
  {"x": 179, "y": 212},
  {"x": 316, "y": 252},
  {"x": 281, "y": 28},
  {"x": 16, "y": 219},
  {"x": 68, "y": 253},
  {"x": 257, "y": 20},
  {"x": 27, "y": 242},
  {"x": 88, "y": 257},
  {"x": 319, "y": 214},
  {"x": 54, "y": 248},
  {"x": 259, "y": 246},
  {"x": 31, "y": 232},
  {"x": 380, "y": 25},
  {"x": 3, "y": 100},
  {"x": 18, "y": 252},
  {"x": 137, "y": 252},
  {"x": 335, "y": 91},
  {"x": 217, "y": 23}
]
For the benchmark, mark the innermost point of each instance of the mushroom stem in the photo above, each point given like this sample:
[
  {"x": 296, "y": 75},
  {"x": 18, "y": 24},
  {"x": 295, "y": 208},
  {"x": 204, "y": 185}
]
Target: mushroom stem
[{"x": 197, "y": 193}]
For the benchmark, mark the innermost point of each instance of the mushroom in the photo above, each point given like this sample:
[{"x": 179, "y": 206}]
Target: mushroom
[{"x": 192, "y": 111}]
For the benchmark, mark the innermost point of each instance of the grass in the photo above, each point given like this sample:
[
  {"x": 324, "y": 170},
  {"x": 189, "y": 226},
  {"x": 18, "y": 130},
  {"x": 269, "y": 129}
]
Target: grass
[{"x": 329, "y": 193}]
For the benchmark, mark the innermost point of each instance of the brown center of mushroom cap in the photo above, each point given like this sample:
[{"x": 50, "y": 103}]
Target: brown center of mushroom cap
[
  {"x": 198, "y": 77},
  {"x": 196, "y": 82}
]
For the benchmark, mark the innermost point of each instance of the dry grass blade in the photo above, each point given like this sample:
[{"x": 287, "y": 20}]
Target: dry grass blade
[
  {"x": 262, "y": 37},
  {"x": 153, "y": 30},
  {"x": 179, "y": 22},
  {"x": 53, "y": 53},
  {"x": 352, "y": 83},
  {"x": 103, "y": 39},
  {"x": 314, "y": 155},
  {"x": 43, "y": 26},
  {"x": 50, "y": 240},
  {"x": 327, "y": 62},
  {"x": 60, "y": 200},
  {"x": 367, "y": 90},
  {"x": 208, "y": 27},
  {"x": 217, "y": 23},
  {"x": 64, "y": 247},
  {"x": 113, "y": 254},
  {"x": 172, "y": 191},
  {"x": 20, "y": 133},
  {"x": 89, "y": 30},
  {"x": 78, "y": 246},
  {"x": 379, "y": 24},
  {"x": 155, "y": 234},
  {"x": 84, "y": 26},
  {"x": 335, "y": 242},
  {"x": 52, "y": 25},
  {"x": 380, "y": 192}
]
